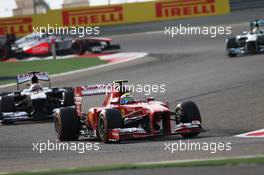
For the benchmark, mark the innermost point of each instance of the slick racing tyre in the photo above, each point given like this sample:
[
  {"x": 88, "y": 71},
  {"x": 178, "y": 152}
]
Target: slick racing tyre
[
  {"x": 67, "y": 124},
  {"x": 77, "y": 48},
  {"x": 252, "y": 47},
  {"x": 108, "y": 119},
  {"x": 188, "y": 112},
  {"x": 7, "y": 122},
  {"x": 231, "y": 44},
  {"x": 4, "y": 53},
  {"x": 7, "y": 104},
  {"x": 260, "y": 40},
  {"x": 68, "y": 97}
]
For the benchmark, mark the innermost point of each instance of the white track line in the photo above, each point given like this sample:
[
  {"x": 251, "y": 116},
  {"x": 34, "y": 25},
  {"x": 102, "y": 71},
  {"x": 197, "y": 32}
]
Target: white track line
[
  {"x": 198, "y": 160},
  {"x": 140, "y": 55}
]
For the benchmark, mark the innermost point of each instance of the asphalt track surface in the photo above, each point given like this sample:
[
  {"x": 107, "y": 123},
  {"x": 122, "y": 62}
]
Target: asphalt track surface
[{"x": 229, "y": 93}]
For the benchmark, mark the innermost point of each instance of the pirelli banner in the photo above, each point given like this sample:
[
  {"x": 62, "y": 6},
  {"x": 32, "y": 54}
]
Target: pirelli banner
[{"x": 116, "y": 14}]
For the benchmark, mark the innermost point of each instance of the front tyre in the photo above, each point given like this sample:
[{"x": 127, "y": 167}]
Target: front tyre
[
  {"x": 67, "y": 124},
  {"x": 7, "y": 104},
  {"x": 188, "y": 112},
  {"x": 108, "y": 119},
  {"x": 231, "y": 44},
  {"x": 231, "y": 54}
]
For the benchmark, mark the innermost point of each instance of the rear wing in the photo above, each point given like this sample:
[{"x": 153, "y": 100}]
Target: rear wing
[
  {"x": 22, "y": 78},
  {"x": 100, "y": 89},
  {"x": 90, "y": 90},
  {"x": 100, "y": 39}
]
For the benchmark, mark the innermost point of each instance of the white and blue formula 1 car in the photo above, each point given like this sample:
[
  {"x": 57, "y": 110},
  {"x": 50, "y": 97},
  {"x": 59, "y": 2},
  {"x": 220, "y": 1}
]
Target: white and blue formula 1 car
[
  {"x": 35, "y": 102},
  {"x": 250, "y": 42}
]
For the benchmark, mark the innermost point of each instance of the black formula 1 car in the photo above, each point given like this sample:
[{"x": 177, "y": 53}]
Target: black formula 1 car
[
  {"x": 35, "y": 102},
  {"x": 250, "y": 42},
  {"x": 40, "y": 44}
]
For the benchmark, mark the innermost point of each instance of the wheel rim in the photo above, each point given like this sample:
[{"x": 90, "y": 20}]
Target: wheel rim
[
  {"x": 179, "y": 112},
  {"x": 57, "y": 127}
]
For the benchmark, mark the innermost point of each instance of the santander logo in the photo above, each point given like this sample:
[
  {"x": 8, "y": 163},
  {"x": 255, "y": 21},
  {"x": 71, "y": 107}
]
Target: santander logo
[{"x": 39, "y": 49}]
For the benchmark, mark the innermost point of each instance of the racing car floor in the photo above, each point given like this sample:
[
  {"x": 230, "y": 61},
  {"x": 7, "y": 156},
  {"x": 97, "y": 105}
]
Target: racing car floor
[{"x": 228, "y": 91}]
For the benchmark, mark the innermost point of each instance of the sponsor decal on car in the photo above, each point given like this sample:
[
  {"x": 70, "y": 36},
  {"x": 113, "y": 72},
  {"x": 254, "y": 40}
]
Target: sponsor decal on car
[
  {"x": 42, "y": 48},
  {"x": 27, "y": 76}
]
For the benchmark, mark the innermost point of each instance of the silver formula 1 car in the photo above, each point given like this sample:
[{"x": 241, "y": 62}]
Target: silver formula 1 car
[
  {"x": 250, "y": 42},
  {"x": 35, "y": 102},
  {"x": 40, "y": 44}
]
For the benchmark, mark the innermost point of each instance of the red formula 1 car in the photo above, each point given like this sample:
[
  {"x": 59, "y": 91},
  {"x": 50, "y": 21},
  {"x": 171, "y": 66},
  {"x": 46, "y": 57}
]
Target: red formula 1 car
[{"x": 121, "y": 117}]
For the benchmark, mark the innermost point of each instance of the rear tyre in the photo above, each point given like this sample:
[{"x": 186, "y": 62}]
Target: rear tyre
[
  {"x": 77, "y": 48},
  {"x": 187, "y": 113},
  {"x": 260, "y": 40},
  {"x": 108, "y": 119},
  {"x": 252, "y": 47},
  {"x": 67, "y": 124},
  {"x": 68, "y": 97}
]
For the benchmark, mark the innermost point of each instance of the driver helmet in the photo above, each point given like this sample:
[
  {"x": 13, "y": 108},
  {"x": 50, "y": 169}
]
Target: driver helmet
[
  {"x": 34, "y": 79},
  {"x": 126, "y": 98},
  {"x": 256, "y": 28},
  {"x": 35, "y": 87}
]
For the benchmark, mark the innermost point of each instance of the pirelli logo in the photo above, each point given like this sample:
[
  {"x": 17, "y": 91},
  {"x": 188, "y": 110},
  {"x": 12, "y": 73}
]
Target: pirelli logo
[
  {"x": 17, "y": 26},
  {"x": 184, "y": 8},
  {"x": 90, "y": 16}
]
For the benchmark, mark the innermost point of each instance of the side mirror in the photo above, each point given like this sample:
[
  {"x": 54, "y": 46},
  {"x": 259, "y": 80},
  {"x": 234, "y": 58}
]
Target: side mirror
[{"x": 245, "y": 32}]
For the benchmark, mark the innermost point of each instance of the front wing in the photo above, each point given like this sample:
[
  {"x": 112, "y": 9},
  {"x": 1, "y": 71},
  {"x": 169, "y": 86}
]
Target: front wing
[
  {"x": 139, "y": 133},
  {"x": 12, "y": 117}
]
